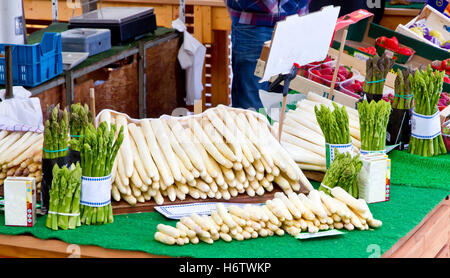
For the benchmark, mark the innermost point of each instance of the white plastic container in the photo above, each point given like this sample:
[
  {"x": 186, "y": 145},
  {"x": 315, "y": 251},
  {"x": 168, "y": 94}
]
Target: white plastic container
[{"x": 326, "y": 82}]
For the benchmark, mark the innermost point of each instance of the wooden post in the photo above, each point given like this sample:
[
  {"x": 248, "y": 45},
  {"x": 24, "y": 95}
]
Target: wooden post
[
  {"x": 142, "y": 79},
  {"x": 8, "y": 72},
  {"x": 282, "y": 114},
  {"x": 92, "y": 102},
  {"x": 219, "y": 69},
  {"x": 338, "y": 63}
]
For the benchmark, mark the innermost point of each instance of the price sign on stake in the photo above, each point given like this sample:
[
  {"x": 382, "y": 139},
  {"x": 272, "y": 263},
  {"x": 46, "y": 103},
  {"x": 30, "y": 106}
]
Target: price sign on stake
[
  {"x": 297, "y": 41},
  {"x": 300, "y": 39}
]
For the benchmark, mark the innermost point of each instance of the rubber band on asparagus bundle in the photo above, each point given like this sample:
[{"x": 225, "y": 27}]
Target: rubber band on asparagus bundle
[
  {"x": 76, "y": 136},
  {"x": 55, "y": 151},
  {"x": 326, "y": 187},
  {"x": 63, "y": 214},
  {"x": 375, "y": 81},
  {"x": 407, "y": 97}
]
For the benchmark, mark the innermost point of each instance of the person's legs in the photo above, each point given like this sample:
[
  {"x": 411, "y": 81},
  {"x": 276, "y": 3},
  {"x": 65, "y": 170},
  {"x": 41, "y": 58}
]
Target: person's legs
[{"x": 247, "y": 42}]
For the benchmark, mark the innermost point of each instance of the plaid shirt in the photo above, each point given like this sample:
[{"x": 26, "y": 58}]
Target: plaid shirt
[{"x": 264, "y": 12}]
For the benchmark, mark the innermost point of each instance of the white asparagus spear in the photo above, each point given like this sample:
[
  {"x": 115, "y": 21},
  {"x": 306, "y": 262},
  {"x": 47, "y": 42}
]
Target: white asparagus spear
[{"x": 125, "y": 148}]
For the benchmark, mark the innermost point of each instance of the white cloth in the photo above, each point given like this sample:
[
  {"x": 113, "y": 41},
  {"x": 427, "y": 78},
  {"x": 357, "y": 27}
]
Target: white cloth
[
  {"x": 191, "y": 57},
  {"x": 21, "y": 113}
]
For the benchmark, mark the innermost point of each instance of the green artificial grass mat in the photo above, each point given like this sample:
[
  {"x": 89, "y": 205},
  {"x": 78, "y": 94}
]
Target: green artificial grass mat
[
  {"x": 406, "y": 209},
  {"x": 419, "y": 171}
]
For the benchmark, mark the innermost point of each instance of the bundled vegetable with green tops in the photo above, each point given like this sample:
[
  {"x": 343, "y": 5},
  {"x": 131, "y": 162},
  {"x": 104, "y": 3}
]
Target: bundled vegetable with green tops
[
  {"x": 80, "y": 117},
  {"x": 426, "y": 85},
  {"x": 373, "y": 120},
  {"x": 399, "y": 125},
  {"x": 334, "y": 124},
  {"x": 64, "y": 209},
  {"x": 98, "y": 150},
  {"x": 377, "y": 68},
  {"x": 343, "y": 172},
  {"x": 403, "y": 96},
  {"x": 56, "y": 132}
]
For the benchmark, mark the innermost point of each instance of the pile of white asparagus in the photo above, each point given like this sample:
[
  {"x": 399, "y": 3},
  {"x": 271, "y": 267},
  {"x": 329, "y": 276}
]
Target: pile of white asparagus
[
  {"x": 218, "y": 154},
  {"x": 289, "y": 213},
  {"x": 21, "y": 155},
  {"x": 303, "y": 138}
]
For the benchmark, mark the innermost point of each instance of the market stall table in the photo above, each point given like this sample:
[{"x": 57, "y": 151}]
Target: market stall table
[{"x": 415, "y": 224}]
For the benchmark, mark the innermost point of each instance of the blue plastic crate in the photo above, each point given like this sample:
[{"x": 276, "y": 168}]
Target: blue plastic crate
[{"x": 34, "y": 64}]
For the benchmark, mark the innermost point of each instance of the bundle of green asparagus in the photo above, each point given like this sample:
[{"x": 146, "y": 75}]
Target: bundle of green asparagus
[
  {"x": 80, "y": 116},
  {"x": 56, "y": 132},
  {"x": 334, "y": 125},
  {"x": 64, "y": 211},
  {"x": 373, "y": 120},
  {"x": 403, "y": 96},
  {"x": 343, "y": 172},
  {"x": 98, "y": 150},
  {"x": 426, "y": 85},
  {"x": 377, "y": 69}
]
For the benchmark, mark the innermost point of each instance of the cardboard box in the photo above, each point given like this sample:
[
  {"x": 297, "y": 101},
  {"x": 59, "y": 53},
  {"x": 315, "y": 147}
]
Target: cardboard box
[
  {"x": 374, "y": 178},
  {"x": 443, "y": 6},
  {"x": 433, "y": 19},
  {"x": 20, "y": 201}
]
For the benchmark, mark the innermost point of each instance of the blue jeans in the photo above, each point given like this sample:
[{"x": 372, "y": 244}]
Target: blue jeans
[{"x": 247, "y": 43}]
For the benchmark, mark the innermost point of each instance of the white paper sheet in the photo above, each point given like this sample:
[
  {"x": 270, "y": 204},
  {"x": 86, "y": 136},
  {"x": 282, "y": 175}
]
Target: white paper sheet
[
  {"x": 300, "y": 39},
  {"x": 178, "y": 211}
]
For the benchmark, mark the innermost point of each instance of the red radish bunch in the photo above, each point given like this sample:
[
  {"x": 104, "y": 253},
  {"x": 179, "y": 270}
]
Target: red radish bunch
[
  {"x": 323, "y": 74},
  {"x": 354, "y": 86}
]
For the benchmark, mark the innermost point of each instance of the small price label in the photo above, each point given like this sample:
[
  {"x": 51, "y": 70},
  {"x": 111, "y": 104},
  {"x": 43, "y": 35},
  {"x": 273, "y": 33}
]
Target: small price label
[
  {"x": 319, "y": 234},
  {"x": 360, "y": 56},
  {"x": 389, "y": 54}
]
